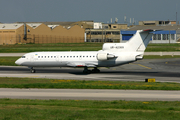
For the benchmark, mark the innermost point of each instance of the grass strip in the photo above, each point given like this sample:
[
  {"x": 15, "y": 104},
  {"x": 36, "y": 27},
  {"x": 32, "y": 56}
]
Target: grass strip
[
  {"x": 19, "y": 48},
  {"x": 50, "y": 47},
  {"x": 160, "y": 57},
  {"x": 163, "y": 47},
  {"x": 10, "y": 61},
  {"x": 86, "y": 109},
  {"x": 6, "y": 82}
]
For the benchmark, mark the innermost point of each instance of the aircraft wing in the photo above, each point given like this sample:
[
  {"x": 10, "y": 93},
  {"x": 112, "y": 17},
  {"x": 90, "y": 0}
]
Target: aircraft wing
[{"x": 76, "y": 64}]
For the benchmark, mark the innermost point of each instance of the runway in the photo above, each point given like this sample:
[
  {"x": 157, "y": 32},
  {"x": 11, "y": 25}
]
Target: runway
[
  {"x": 163, "y": 70},
  {"x": 86, "y": 94}
]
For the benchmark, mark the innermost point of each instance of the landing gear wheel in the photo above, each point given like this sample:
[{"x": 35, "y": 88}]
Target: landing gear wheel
[
  {"x": 32, "y": 70},
  {"x": 89, "y": 71},
  {"x": 86, "y": 71},
  {"x": 98, "y": 71},
  {"x": 95, "y": 70}
]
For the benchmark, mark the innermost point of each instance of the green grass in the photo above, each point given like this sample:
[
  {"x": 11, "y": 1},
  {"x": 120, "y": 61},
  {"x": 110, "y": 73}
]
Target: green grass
[
  {"x": 82, "y": 84},
  {"x": 160, "y": 57},
  {"x": 85, "y": 109},
  {"x": 8, "y": 61},
  {"x": 163, "y": 47},
  {"x": 19, "y": 48}
]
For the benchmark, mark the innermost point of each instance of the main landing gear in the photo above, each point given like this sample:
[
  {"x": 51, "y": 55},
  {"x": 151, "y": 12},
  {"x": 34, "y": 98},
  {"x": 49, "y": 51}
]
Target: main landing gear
[
  {"x": 86, "y": 71},
  {"x": 32, "y": 70}
]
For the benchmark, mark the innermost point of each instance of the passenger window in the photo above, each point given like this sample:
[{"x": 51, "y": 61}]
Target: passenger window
[
  {"x": 86, "y": 56},
  {"x": 64, "y": 56},
  {"x": 51, "y": 56},
  {"x": 77, "y": 56},
  {"x": 48, "y": 56},
  {"x": 41, "y": 56},
  {"x": 54, "y": 56},
  {"x": 38, "y": 56}
]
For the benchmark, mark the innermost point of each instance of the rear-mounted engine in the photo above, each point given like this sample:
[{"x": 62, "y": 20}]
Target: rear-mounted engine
[{"x": 105, "y": 56}]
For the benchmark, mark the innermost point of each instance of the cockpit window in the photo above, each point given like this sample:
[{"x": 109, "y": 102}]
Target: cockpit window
[{"x": 23, "y": 57}]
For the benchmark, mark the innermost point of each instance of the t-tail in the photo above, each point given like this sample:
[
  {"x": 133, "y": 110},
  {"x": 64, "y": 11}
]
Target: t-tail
[
  {"x": 136, "y": 45},
  {"x": 139, "y": 41}
]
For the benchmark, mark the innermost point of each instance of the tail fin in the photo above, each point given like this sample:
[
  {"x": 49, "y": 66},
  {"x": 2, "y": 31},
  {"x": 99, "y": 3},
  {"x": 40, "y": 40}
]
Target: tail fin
[{"x": 139, "y": 41}]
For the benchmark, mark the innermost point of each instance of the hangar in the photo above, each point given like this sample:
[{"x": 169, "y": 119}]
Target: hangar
[{"x": 68, "y": 32}]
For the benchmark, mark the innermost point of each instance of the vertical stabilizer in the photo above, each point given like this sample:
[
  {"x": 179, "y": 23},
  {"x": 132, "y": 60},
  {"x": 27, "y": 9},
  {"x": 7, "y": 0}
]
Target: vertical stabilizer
[{"x": 139, "y": 41}]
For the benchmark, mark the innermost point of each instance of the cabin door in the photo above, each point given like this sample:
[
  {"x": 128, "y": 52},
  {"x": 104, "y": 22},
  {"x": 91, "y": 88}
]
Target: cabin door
[{"x": 31, "y": 57}]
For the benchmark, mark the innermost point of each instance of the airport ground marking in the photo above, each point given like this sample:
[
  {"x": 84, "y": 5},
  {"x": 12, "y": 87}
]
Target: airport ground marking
[
  {"x": 170, "y": 63},
  {"x": 144, "y": 66},
  {"x": 141, "y": 65}
]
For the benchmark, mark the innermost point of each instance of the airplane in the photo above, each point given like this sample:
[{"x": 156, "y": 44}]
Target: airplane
[{"x": 112, "y": 54}]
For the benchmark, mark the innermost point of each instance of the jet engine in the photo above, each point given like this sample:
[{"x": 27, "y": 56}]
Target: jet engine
[{"x": 105, "y": 56}]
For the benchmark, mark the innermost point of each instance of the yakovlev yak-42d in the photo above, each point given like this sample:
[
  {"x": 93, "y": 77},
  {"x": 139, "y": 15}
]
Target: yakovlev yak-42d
[{"x": 112, "y": 54}]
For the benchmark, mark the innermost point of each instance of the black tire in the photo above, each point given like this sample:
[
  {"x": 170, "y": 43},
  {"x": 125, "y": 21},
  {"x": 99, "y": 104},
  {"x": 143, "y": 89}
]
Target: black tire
[
  {"x": 95, "y": 71},
  {"x": 89, "y": 71},
  {"x": 86, "y": 71},
  {"x": 33, "y": 71}
]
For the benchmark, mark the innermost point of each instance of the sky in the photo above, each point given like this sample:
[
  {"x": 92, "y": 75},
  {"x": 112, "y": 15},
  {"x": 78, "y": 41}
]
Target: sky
[{"x": 96, "y": 10}]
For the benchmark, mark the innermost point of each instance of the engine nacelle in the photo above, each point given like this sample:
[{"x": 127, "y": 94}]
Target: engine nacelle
[{"x": 104, "y": 56}]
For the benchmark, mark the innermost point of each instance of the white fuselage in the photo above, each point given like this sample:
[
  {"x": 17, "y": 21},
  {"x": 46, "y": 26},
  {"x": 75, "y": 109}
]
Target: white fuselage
[{"x": 73, "y": 59}]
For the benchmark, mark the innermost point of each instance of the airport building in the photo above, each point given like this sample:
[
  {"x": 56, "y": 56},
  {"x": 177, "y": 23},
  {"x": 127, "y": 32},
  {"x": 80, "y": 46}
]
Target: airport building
[
  {"x": 104, "y": 32},
  {"x": 169, "y": 33},
  {"x": 85, "y": 31},
  {"x": 48, "y": 32},
  {"x": 157, "y": 23},
  {"x": 59, "y": 32}
]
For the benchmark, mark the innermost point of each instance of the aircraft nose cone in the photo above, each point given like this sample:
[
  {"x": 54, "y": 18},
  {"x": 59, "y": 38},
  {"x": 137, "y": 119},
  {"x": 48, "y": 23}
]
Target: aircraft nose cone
[{"x": 18, "y": 62}]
